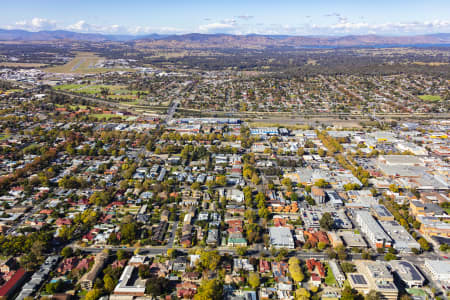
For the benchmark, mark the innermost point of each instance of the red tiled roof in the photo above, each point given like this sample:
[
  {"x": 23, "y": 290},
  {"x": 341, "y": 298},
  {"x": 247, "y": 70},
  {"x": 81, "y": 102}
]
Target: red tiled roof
[{"x": 7, "y": 287}]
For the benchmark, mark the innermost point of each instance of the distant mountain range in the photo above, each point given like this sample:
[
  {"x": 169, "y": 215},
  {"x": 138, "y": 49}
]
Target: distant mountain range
[{"x": 196, "y": 40}]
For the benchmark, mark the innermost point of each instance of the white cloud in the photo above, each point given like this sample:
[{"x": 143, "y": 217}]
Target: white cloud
[
  {"x": 245, "y": 17},
  {"x": 242, "y": 25},
  {"x": 416, "y": 27},
  {"x": 80, "y": 26},
  {"x": 35, "y": 24},
  {"x": 140, "y": 30},
  {"x": 83, "y": 26},
  {"x": 217, "y": 27}
]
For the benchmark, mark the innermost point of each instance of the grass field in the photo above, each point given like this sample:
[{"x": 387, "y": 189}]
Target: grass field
[
  {"x": 105, "y": 116},
  {"x": 73, "y": 106},
  {"x": 21, "y": 65},
  {"x": 115, "y": 91},
  {"x": 83, "y": 63},
  {"x": 430, "y": 98},
  {"x": 11, "y": 91}
]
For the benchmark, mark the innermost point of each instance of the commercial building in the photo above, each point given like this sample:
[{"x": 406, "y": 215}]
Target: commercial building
[
  {"x": 400, "y": 160},
  {"x": 439, "y": 269},
  {"x": 433, "y": 226},
  {"x": 281, "y": 237},
  {"x": 407, "y": 272},
  {"x": 373, "y": 231},
  {"x": 352, "y": 240},
  {"x": 335, "y": 199},
  {"x": 382, "y": 213},
  {"x": 318, "y": 194},
  {"x": 402, "y": 240},
  {"x": 373, "y": 275}
]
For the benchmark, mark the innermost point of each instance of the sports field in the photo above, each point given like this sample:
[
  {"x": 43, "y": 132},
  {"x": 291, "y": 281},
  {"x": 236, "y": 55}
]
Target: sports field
[{"x": 430, "y": 98}]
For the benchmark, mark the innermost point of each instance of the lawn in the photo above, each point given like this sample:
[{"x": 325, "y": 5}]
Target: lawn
[
  {"x": 430, "y": 98},
  {"x": 330, "y": 280}
]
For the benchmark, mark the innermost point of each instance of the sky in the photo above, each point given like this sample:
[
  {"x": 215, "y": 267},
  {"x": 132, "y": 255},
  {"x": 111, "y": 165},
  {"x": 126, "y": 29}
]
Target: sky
[{"x": 282, "y": 17}]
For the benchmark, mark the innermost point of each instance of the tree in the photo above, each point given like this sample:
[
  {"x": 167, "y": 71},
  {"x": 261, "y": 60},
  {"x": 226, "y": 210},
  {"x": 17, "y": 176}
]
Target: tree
[
  {"x": 195, "y": 186},
  {"x": 322, "y": 183},
  {"x": 321, "y": 152},
  {"x": 331, "y": 254},
  {"x": 424, "y": 244},
  {"x": 157, "y": 286},
  {"x": 171, "y": 253},
  {"x": 121, "y": 254},
  {"x": 128, "y": 232},
  {"x": 415, "y": 251},
  {"x": 67, "y": 252},
  {"x": 295, "y": 269},
  {"x": 366, "y": 255},
  {"x": 249, "y": 215},
  {"x": 55, "y": 287},
  {"x": 144, "y": 271},
  {"x": 342, "y": 255},
  {"x": 241, "y": 251},
  {"x": 351, "y": 186},
  {"x": 390, "y": 256},
  {"x": 263, "y": 213},
  {"x": 348, "y": 293},
  {"x": 348, "y": 267},
  {"x": 321, "y": 245},
  {"x": 221, "y": 180},
  {"x": 373, "y": 295},
  {"x": 302, "y": 294},
  {"x": 210, "y": 259},
  {"x": 286, "y": 182},
  {"x": 109, "y": 283},
  {"x": 255, "y": 179},
  {"x": 210, "y": 290},
  {"x": 282, "y": 254},
  {"x": 93, "y": 294},
  {"x": 326, "y": 222},
  {"x": 394, "y": 188},
  {"x": 253, "y": 280}
]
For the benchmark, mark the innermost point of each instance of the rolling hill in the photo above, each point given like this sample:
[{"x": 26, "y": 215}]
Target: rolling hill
[{"x": 196, "y": 40}]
